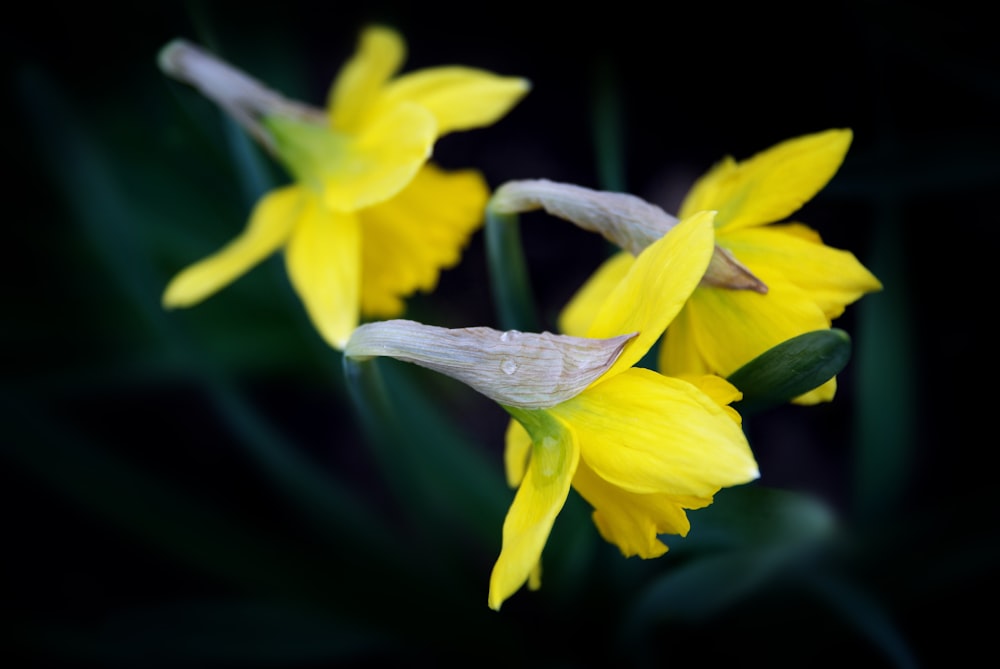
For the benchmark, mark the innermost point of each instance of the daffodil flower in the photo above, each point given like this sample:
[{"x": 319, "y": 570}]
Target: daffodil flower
[
  {"x": 639, "y": 446},
  {"x": 368, "y": 220},
  {"x": 778, "y": 280}
]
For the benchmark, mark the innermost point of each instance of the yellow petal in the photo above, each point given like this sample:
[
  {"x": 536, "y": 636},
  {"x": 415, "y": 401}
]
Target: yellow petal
[
  {"x": 269, "y": 227},
  {"x": 720, "y": 330},
  {"x": 823, "y": 393},
  {"x": 517, "y": 451},
  {"x": 771, "y": 185},
  {"x": 410, "y": 238},
  {"x": 647, "y": 433},
  {"x": 536, "y": 504},
  {"x": 535, "y": 577},
  {"x": 380, "y": 53},
  {"x": 460, "y": 98},
  {"x": 831, "y": 277},
  {"x": 576, "y": 318},
  {"x": 655, "y": 288},
  {"x": 324, "y": 263},
  {"x": 630, "y": 521},
  {"x": 720, "y": 390},
  {"x": 380, "y": 160}
]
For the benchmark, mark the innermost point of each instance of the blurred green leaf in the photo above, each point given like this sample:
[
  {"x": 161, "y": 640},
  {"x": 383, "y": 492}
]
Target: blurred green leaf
[
  {"x": 887, "y": 397},
  {"x": 114, "y": 222},
  {"x": 435, "y": 470},
  {"x": 790, "y": 369},
  {"x": 152, "y": 509},
  {"x": 863, "y": 612},
  {"x": 753, "y": 515},
  {"x": 214, "y": 633},
  {"x": 454, "y": 469},
  {"x": 571, "y": 553},
  {"x": 697, "y": 590},
  {"x": 746, "y": 540}
]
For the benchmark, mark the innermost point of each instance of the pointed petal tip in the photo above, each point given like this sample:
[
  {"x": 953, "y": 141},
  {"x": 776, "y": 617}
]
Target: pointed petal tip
[
  {"x": 179, "y": 294},
  {"x": 337, "y": 335},
  {"x": 168, "y": 54}
]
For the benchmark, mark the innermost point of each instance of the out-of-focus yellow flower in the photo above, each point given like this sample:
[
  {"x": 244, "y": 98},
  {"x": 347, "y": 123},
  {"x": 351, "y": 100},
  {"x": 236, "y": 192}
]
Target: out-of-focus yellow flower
[
  {"x": 800, "y": 284},
  {"x": 639, "y": 446},
  {"x": 368, "y": 219}
]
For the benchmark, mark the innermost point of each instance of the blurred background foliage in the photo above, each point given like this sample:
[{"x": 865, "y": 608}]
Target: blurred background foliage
[{"x": 195, "y": 488}]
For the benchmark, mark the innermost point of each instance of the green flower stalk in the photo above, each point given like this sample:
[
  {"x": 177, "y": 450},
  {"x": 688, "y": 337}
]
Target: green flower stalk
[
  {"x": 768, "y": 281},
  {"x": 639, "y": 446},
  {"x": 368, "y": 219}
]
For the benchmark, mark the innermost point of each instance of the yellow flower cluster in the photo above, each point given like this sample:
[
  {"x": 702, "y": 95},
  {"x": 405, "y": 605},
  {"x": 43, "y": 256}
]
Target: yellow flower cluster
[{"x": 369, "y": 220}]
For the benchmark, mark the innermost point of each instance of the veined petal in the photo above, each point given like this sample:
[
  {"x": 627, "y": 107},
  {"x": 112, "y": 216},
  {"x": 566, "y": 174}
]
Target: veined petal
[
  {"x": 324, "y": 263},
  {"x": 380, "y": 160},
  {"x": 771, "y": 185},
  {"x": 528, "y": 370},
  {"x": 270, "y": 225},
  {"x": 831, "y": 277},
  {"x": 517, "y": 451},
  {"x": 579, "y": 313},
  {"x": 632, "y": 521},
  {"x": 538, "y": 500},
  {"x": 460, "y": 98},
  {"x": 655, "y": 288},
  {"x": 720, "y": 330},
  {"x": 380, "y": 53},
  {"x": 647, "y": 433},
  {"x": 408, "y": 239},
  {"x": 621, "y": 218}
]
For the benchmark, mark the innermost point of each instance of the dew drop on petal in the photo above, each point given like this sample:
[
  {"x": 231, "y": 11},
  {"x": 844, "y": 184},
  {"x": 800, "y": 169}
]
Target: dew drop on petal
[
  {"x": 508, "y": 366},
  {"x": 509, "y": 335}
]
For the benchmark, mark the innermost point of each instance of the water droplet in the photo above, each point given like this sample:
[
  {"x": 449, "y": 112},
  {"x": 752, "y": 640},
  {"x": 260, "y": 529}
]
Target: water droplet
[
  {"x": 508, "y": 366},
  {"x": 509, "y": 335}
]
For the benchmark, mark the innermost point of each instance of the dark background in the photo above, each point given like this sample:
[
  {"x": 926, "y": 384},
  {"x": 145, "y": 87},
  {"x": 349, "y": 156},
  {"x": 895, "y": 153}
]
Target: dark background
[{"x": 145, "y": 522}]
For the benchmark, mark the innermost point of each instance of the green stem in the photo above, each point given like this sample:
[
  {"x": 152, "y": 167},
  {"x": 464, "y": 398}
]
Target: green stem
[
  {"x": 425, "y": 492},
  {"x": 609, "y": 140},
  {"x": 370, "y": 398},
  {"x": 509, "y": 280},
  {"x": 382, "y": 425}
]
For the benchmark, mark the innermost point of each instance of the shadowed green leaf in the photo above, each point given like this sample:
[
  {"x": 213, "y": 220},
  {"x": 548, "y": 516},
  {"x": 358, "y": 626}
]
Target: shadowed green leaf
[
  {"x": 435, "y": 471},
  {"x": 754, "y": 515},
  {"x": 861, "y": 611},
  {"x": 213, "y": 633},
  {"x": 887, "y": 396},
  {"x": 112, "y": 222},
  {"x": 155, "y": 511},
  {"x": 746, "y": 540}
]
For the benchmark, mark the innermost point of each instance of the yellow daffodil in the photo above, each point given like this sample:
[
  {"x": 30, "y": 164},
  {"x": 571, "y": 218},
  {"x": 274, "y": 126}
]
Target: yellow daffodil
[
  {"x": 368, "y": 220},
  {"x": 795, "y": 283},
  {"x": 639, "y": 446}
]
